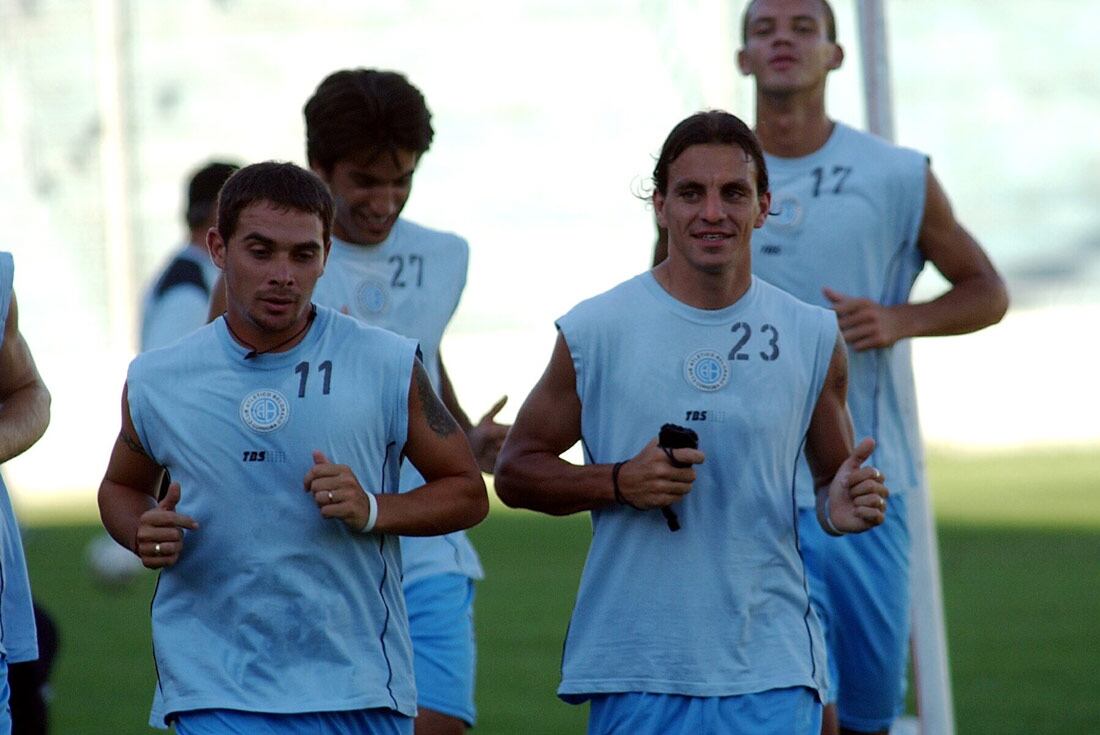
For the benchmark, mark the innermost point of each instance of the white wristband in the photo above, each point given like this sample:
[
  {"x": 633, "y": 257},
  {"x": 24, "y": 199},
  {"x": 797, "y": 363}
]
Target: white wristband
[
  {"x": 372, "y": 516},
  {"x": 832, "y": 529}
]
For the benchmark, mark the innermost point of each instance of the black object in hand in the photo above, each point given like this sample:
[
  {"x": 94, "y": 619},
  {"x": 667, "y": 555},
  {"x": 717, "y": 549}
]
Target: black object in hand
[
  {"x": 677, "y": 437},
  {"x": 672, "y": 437}
]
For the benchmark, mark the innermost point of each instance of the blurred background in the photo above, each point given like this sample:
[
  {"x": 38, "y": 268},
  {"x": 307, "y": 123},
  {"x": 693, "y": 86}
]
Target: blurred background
[{"x": 548, "y": 118}]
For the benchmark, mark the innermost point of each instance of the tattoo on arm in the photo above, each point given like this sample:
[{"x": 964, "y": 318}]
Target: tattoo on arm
[
  {"x": 132, "y": 444},
  {"x": 439, "y": 419}
]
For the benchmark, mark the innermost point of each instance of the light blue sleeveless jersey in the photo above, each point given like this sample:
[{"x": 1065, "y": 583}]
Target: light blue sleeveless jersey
[
  {"x": 18, "y": 637},
  {"x": 848, "y": 217},
  {"x": 271, "y": 607},
  {"x": 410, "y": 284},
  {"x": 720, "y": 607}
]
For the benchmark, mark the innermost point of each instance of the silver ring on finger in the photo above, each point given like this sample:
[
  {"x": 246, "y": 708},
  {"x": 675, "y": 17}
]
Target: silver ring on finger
[
  {"x": 156, "y": 548},
  {"x": 331, "y": 500}
]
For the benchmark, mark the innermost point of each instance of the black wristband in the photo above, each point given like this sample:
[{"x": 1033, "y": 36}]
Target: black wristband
[{"x": 615, "y": 485}]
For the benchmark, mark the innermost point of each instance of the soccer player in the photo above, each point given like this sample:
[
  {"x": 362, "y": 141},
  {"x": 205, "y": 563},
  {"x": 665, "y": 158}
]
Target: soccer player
[
  {"x": 283, "y": 425},
  {"x": 708, "y": 628},
  {"x": 854, "y": 221},
  {"x": 366, "y": 131},
  {"x": 24, "y": 416},
  {"x": 178, "y": 300}
]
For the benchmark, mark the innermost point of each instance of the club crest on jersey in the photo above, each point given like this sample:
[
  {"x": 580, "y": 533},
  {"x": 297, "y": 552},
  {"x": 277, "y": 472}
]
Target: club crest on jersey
[
  {"x": 787, "y": 209},
  {"x": 372, "y": 298},
  {"x": 264, "y": 411},
  {"x": 707, "y": 370}
]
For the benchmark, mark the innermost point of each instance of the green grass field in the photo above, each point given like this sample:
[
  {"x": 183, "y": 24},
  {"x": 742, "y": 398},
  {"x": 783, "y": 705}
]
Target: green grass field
[{"x": 1019, "y": 545}]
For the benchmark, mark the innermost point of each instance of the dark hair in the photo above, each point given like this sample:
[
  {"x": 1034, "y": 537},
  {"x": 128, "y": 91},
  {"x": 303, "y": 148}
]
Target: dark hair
[
  {"x": 830, "y": 21},
  {"x": 202, "y": 191},
  {"x": 712, "y": 126},
  {"x": 356, "y": 110},
  {"x": 285, "y": 185}
]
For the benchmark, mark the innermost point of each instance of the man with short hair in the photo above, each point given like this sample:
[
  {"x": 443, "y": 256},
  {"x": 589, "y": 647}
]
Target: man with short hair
[
  {"x": 179, "y": 298},
  {"x": 283, "y": 425},
  {"x": 366, "y": 132},
  {"x": 707, "y": 628},
  {"x": 24, "y": 416},
  {"x": 855, "y": 219}
]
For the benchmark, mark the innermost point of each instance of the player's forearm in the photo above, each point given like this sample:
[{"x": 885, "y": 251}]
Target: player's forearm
[
  {"x": 24, "y": 417},
  {"x": 544, "y": 482},
  {"x": 969, "y": 305},
  {"x": 120, "y": 509},
  {"x": 441, "y": 506}
]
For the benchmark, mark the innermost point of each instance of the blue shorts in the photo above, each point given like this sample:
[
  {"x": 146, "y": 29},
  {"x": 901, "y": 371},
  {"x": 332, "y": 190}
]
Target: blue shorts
[
  {"x": 236, "y": 722},
  {"x": 441, "y": 625},
  {"x": 791, "y": 711},
  {"x": 859, "y": 587}
]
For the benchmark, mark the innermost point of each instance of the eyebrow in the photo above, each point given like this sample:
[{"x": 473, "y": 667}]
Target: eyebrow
[
  {"x": 693, "y": 184},
  {"x": 265, "y": 240},
  {"x": 687, "y": 184},
  {"x": 257, "y": 237},
  {"x": 773, "y": 20}
]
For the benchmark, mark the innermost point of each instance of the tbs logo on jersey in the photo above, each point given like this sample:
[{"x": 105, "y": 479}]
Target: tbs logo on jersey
[
  {"x": 264, "y": 411},
  {"x": 707, "y": 370}
]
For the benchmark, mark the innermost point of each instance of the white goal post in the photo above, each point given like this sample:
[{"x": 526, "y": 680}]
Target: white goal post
[{"x": 932, "y": 678}]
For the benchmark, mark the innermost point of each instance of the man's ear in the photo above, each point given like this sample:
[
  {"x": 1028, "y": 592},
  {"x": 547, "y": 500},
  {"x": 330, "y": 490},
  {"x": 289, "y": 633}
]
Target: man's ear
[
  {"x": 742, "y": 63},
  {"x": 765, "y": 202},
  {"x": 659, "y": 208},
  {"x": 837, "y": 57},
  {"x": 216, "y": 245}
]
